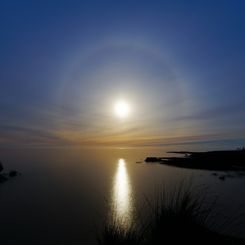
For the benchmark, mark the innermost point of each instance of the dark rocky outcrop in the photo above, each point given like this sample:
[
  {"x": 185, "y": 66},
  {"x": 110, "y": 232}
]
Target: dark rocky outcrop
[
  {"x": 13, "y": 173},
  {"x": 153, "y": 159},
  {"x": 233, "y": 160},
  {"x": 5, "y": 176}
]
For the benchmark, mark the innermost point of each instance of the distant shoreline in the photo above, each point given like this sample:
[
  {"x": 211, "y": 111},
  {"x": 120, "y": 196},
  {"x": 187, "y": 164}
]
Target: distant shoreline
[{"x": 231, "y": 160}]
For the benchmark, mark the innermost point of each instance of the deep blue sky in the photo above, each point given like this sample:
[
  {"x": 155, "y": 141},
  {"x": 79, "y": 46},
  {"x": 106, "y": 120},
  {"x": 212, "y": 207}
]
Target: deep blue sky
[{"x": 179, "y": 64}]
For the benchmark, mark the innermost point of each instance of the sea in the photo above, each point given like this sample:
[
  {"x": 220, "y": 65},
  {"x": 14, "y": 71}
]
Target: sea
[{"x": 66, "y": 195}]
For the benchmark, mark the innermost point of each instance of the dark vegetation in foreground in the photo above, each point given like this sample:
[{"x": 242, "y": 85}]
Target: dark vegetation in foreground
[
  {"x": 180, "y": 217},
  {"x": 233, "y": 160}
]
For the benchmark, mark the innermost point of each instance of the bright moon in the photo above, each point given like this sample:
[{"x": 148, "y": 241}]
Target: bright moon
[{"x": 121, "y": 109}]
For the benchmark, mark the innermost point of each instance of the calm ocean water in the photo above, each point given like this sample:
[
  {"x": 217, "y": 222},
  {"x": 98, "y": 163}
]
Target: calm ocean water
[{"x": 64, "y": 196}]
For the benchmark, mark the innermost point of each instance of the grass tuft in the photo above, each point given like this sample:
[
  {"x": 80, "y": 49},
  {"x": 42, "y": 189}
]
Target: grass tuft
[
  {"x": 115, "y": 234},
  {"x": 182, "y": 215}
]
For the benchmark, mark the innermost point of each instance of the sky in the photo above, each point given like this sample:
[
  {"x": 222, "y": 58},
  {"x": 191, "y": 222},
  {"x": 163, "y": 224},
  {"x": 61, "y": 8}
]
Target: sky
[{"x": 178, "y": 64}]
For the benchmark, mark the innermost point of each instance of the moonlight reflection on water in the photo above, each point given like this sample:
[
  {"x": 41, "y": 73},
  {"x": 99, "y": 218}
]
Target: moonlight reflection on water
[{"x": 122, "y": 204}]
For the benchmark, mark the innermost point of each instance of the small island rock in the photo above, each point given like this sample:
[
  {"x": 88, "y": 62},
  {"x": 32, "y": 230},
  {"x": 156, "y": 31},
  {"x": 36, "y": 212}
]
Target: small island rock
[{"x": 13, "y": 173}]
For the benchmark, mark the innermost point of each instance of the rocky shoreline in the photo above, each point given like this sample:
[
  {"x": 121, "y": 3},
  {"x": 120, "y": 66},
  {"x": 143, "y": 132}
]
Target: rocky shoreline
[{"x": 232, "y": 160}]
